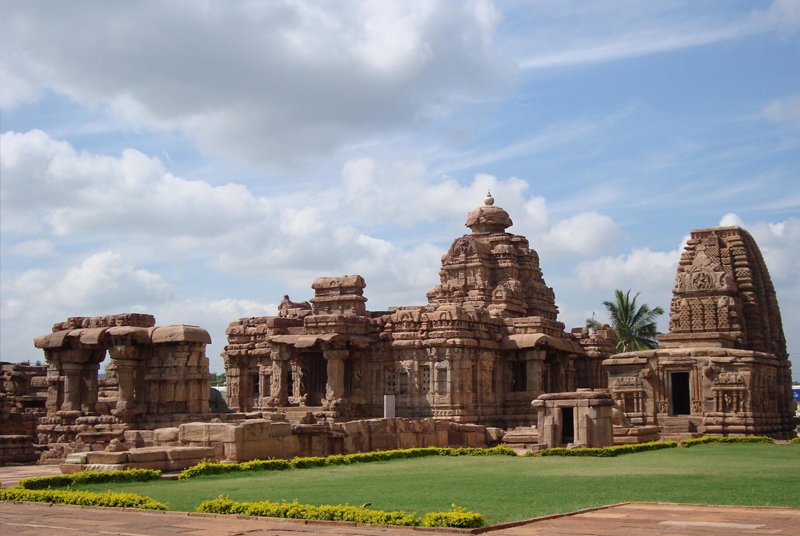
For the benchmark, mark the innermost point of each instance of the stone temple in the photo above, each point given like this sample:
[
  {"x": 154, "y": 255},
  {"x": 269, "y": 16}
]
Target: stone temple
[
  {"x": 485, "y": 360},
  {"x": 487, "y": 343},
  {"x": 723, "y": 367}
]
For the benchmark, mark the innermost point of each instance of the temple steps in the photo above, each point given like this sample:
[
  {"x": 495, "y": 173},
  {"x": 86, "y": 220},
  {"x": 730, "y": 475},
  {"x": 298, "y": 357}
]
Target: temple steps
[{"x": 296, "y": 414}]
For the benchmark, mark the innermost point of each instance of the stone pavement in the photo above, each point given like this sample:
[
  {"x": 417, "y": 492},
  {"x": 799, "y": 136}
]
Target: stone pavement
[
  {"x": 24, "y": 519},
  {"x": 10, "y": 475}
]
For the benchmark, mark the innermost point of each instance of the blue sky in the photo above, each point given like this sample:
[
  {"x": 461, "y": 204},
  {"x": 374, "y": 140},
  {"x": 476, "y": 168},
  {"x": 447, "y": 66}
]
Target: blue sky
[{"x": 198, "y": 160}]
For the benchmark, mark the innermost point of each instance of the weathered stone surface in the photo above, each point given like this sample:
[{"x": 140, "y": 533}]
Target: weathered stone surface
[
  {"x": 723, "y": 367},
  {"x": 485, "y": 345}
]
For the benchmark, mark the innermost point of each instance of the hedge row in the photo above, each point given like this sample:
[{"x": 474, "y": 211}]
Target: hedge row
[
  {"x": 85, "y": 498},
  {"x": 606, "y": 452},
  {"x": 719, "y": 439},
  {"x": 341, "y": 512},
  {"x": 796, "y": 440},
  {"x": 89, "y": 477},
  {"x": 213, "y": 468}
]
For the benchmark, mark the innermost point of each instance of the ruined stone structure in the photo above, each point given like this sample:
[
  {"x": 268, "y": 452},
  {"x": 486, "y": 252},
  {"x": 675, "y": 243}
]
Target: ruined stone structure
[
  {"x": 160, "y": 375},
  {"x": 723, "y": 367},
  {"x": 487, "y": 343},
  {"x": 582, "y": 418},
  {"x": 23, "y": 391}
]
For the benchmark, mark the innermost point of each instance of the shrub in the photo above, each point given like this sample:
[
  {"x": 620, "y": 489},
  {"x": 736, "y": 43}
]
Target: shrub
[
  {"x": 459, "y": 517},
  {"x": 86, "y": 498},
  {"x": 265, "y": 465},
  {"x": 296, "y": 510},
  {"x": 720, "y": 439},
  {"x": 796, "y": 440},
  {"x": 89, "y": 477},
  {"x": 608, "y": 452}
]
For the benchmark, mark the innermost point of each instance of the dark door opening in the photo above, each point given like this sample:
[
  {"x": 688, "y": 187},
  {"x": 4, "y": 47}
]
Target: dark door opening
[
  {"x": 567, "y": 426},
  {"x": 679, "y": 392}
]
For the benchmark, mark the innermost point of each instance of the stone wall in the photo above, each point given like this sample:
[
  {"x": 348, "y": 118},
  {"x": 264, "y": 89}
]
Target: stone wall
[
  {"x": 263, "y": 438},
  {"x": 23, "y": 391}
]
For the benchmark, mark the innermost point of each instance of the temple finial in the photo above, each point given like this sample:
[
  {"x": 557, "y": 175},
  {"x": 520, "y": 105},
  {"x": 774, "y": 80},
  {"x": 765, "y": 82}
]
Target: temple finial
[{"x": 488, "y": 200}]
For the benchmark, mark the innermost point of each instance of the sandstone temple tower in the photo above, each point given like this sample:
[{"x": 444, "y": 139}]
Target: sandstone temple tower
[
  {"x": 486, "y": 344},
  {"x": 723, "y": 367}
]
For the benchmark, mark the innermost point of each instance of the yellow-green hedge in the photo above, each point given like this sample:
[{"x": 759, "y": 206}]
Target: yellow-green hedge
[
  {"x": 720, "y": 439},
  {"x": 85, "y": 498},
  {"x": 340, "y": 512},
  {"x": 89, "y": 477},
  {"x": 606, "y": 452},
  {"x": 213, "y": 468}
]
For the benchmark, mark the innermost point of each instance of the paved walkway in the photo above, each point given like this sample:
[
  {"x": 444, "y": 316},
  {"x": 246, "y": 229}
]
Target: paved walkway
[
  {"x": 24, "y": 519},
  {"x": 12, "y": 474}
]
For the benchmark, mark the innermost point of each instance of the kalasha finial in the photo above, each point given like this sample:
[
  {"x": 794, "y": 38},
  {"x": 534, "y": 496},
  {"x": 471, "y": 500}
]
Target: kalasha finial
[{"x": 488, "y": 200}]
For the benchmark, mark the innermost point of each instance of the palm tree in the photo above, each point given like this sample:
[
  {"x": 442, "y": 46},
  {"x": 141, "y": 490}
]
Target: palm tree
[{"x": 635, "y": 327}]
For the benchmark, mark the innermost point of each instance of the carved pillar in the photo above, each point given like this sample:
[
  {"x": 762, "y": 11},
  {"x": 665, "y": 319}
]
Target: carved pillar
[
  {"x": 72, "y": 386},
  {"x": 126, "y": 376},
  {"x": 334, "y": 388},
  {"x": 535, "y": 371},
  {"x": 89, "y": 385},
  {"x": 280, "y": 377}
]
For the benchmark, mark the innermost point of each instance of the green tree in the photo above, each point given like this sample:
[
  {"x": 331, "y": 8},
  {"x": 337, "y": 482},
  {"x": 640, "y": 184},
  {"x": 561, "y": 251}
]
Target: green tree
[{"x": 635, "y": 326}]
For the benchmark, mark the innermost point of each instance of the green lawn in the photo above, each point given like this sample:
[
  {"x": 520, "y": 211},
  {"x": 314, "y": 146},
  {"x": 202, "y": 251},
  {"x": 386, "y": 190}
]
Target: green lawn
[{"x": 504, "y": 488}]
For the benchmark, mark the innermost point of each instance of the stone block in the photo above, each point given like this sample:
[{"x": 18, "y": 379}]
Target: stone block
[
  {"x": 148, "y": 454},
  {"x": 106, "y": 457},
  {"x": 184, "y": 453},
  {"x": 166, "y": 435},
  {"x": 76, "y": 458}
]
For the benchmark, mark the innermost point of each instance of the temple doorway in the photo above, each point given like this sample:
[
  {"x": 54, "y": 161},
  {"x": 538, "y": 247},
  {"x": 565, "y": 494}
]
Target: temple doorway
[
  {"x": 567, "y": 426},
  {"x": 680, "y": 397}
]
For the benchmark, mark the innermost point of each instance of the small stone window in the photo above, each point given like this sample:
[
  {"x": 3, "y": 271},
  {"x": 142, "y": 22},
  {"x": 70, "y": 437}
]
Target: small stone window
[
  {"x": 391, "y": 381},
  {"x": 425, "y": 378}
]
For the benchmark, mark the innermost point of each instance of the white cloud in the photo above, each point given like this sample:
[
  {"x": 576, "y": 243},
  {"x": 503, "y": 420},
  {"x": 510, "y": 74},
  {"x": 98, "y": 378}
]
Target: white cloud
[
  {"x": 272, "y": 82},
  {"x": 785, "y": 110},
  {"x": 47, "y": 184},
  {"x": 642, "y": 270},
  {"x": 34, "y": 249},
  {"x": 587, "y": 233},
  {"x": 731, "y": 220}
]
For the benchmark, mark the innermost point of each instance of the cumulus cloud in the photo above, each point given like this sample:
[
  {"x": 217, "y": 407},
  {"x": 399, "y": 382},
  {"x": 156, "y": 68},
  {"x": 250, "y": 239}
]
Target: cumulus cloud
[
  {"x": 785, "y": 110},
  {"x": 643, "y": 270},
  {"x": 402, "y": 193},
  {"x": 244, "y": 79}
]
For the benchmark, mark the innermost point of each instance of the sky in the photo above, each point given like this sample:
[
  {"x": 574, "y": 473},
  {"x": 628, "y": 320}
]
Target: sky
[{"x": 197, "y": 160}]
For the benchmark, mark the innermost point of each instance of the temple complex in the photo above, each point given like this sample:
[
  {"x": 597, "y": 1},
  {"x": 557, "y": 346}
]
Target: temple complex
[
  {"x": 723, "y": 367},
  {"x": 487, "y": 343},
  {"x": 485, "y": 360}
]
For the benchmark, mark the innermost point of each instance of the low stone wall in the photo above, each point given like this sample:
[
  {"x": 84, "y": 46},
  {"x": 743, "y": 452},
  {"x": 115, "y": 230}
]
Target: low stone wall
[
  {"x": 636, "y": 434},
  {"x": 17, "y": 449},
  {"x": 162, "y": 458},
  {"x": 262, "y": 438}
]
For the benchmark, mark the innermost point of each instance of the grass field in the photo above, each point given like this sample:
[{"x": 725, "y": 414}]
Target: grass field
[{"x": 504, "y": 488}]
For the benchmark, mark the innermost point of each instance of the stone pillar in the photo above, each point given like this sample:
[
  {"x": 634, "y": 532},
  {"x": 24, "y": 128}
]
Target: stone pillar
[
  {"x": 72, "y": 386},
  {"x": 334, "y": 389},
  {"x": 126, "y": 376},
  {"x": 535, "y": 371},
  {"x": 89, "y": 386},
  {"x": 279, "y": 394}
]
